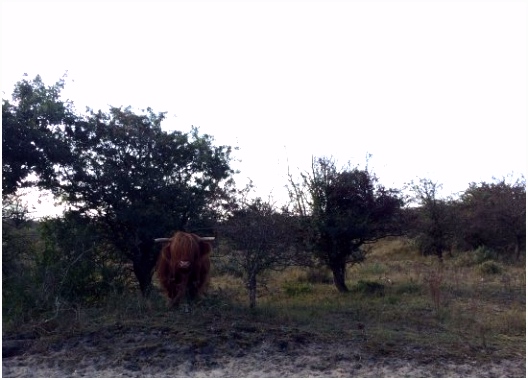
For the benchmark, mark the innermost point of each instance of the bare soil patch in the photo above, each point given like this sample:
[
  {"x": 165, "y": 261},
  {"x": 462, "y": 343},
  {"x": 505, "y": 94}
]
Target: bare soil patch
[{"x": 242, "y": 350}]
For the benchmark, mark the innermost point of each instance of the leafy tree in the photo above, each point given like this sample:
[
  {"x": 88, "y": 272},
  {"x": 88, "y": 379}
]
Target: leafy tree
[
  {"x": 340, "y": 211},
  {"x": 118, "y": 168},
  {"x": 494, "y": 215},
  {"x": 259, "y": 239},
  {"x": 32, "y": 126},
  {"x": 140, "y": 182}
]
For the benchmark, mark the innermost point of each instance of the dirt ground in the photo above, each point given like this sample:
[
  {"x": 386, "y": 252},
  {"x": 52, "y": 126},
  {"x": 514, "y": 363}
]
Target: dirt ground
[{"x": 120, "y": 351}]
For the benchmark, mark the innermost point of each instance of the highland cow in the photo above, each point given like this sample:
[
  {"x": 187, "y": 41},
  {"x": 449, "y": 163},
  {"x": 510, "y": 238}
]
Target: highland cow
[{"x": 183, "y": 266}]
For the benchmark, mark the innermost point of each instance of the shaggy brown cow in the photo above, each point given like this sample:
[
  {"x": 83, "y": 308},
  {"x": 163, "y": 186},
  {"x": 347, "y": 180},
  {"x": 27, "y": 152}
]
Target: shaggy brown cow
[{"x": 183, "y": 266}]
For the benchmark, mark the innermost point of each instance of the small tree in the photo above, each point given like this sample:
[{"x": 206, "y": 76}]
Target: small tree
[
  {"x": 340, "y": 211},
  {"x": 258, "y": 239},
  {"x": 434, "y": 225}
]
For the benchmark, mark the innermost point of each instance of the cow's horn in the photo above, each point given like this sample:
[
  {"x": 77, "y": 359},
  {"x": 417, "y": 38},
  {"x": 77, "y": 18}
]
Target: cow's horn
[
  {"x": 162, "y": 240},
  {"x": 207, "y": 238}
]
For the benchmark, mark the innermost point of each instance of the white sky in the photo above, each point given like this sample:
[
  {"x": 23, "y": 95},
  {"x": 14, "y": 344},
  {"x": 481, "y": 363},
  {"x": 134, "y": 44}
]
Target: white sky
[{"x": 430, "y": 89}]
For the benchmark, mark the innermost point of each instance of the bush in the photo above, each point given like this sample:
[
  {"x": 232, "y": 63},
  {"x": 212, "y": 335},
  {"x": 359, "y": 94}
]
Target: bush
[
  {"x": 483, "y": 254},
  {"x": 74, "y": 266},
  {"x": 293, "y": 289},
  {"x": 478, "y": 256},
  {"x": 371, "y": 288},
  {"x": 19, "y": 248},
  {"x": 410, "y": 287},
  {"x": 490, "y": 267}
]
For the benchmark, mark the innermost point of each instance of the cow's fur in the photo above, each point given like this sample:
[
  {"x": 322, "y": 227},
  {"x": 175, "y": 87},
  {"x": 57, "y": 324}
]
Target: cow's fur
[{"x": 183, "y": 266}]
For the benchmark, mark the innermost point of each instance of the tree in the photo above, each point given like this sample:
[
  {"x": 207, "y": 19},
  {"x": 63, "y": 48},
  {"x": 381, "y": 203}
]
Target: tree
[
  {"x": 435, "y": 224},
  {"x": 32, "y": 128},
  {"x": 135, "y": 181},
  {"x": 495, "y": 215},
  {"x": 340, "y": 211},
  {"x": 140, "y": 182},
  {"x": 258, "y": 239}
]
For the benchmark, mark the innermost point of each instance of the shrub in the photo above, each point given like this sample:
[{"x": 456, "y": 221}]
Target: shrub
[
  {"x": 410, "y": 287},
  {"x": 370, "y": 288},
  {"x": 478, "y": 256},
  {"x": 293, "y": 289},
  {"x": 490, "y": 267},
  {"x": 483, "y": 254}
]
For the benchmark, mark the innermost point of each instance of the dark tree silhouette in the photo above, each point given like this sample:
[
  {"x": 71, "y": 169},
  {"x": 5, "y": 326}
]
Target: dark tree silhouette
[{"x": 340, "y": 211}]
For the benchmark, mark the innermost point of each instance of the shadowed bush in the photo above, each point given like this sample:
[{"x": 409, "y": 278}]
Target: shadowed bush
[
  {"x": 293, "y": 289},
  {"x": 490, "y": 267},
  {"x": 370, "y": 288}
]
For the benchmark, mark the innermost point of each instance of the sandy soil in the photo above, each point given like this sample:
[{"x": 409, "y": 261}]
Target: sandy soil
[{"x": 141, "y": 352}]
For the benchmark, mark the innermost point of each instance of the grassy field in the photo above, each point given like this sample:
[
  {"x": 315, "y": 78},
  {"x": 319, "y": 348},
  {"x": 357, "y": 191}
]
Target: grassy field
[{"x": 400, "y": 305}]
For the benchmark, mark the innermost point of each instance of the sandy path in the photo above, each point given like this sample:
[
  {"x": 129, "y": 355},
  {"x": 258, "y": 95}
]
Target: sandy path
[{"x": 158, "y": 353}]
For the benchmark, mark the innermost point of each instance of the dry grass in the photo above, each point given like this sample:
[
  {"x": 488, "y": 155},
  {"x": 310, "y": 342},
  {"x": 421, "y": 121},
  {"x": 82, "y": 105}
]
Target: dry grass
[{"x": 401, "y": 301}]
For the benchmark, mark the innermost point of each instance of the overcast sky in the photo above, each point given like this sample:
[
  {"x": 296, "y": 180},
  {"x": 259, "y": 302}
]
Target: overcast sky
[{"x": 429, "y": 89}]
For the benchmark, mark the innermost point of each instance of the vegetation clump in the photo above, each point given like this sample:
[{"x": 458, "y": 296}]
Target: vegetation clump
[
  {"x": 490, "y": 267},
  {"x": 370, "y": 288}
]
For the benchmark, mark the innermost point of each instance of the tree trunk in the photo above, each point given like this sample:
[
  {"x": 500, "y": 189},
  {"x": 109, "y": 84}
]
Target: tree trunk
[
  {"x": 339, "y": 270},
  {"x": 143, "y": 264},
  {"x": 252, "y": 287}
]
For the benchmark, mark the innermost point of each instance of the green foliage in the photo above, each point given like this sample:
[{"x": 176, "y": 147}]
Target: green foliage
[
  {"x": 135, "y": 174},
  {"x": 490, "y": 215},
  {"x": 19, "y": 246},
  {"x": 142, "y": 182},
  {"x": 32, "y": 140},
  {"x": 74, "y": 265},
  {"x": 134, "y": 180}
]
